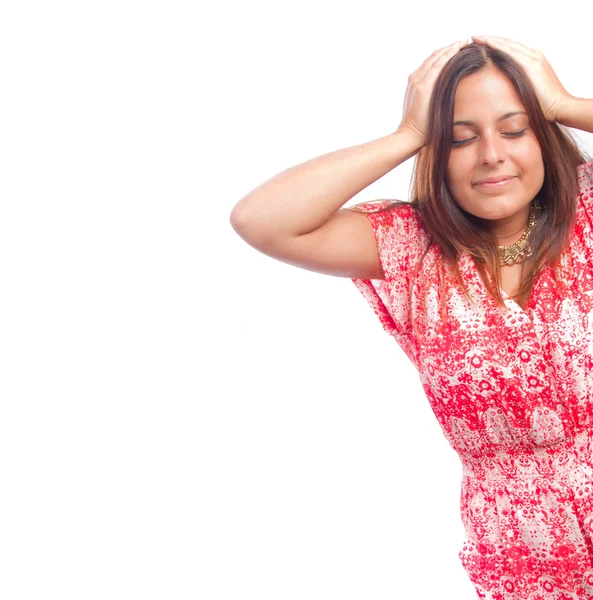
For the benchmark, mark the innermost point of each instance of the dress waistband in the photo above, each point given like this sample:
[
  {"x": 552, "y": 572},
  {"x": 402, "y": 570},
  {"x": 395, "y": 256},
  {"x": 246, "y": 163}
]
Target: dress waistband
[{"x": 551, "y": 462}]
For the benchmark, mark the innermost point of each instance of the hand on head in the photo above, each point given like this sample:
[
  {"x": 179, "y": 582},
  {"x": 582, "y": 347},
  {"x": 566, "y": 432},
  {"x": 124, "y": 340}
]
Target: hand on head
[
  {"x": 550, "y": 92},
  {"x": 419, "y": 91}
]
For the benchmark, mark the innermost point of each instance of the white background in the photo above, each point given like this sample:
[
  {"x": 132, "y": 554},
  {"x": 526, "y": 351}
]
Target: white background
[{"x": 182, "y": 416}]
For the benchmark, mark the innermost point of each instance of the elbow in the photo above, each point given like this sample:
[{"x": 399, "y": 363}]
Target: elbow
[
  {"x": 239, "y": 220},
  {"x": 238, "y": 217},
  {"x": 235, "y": 219},
  {"x": 247, "y": 228}
]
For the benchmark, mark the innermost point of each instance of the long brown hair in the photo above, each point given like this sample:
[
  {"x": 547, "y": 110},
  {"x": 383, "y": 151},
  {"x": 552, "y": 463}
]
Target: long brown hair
[{"x": 456, "y": 231}]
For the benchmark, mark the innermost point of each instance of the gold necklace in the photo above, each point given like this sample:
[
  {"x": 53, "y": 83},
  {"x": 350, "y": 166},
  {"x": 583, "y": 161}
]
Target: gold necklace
[{"x": 517, "y": 252}]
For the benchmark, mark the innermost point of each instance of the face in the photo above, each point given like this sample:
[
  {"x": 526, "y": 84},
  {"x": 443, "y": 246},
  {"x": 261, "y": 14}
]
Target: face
[{"x": 488, "y": 143}]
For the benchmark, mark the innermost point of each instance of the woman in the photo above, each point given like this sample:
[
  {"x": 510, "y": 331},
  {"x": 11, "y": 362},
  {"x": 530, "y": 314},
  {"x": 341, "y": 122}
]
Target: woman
[{"x": 486, "y": 281}]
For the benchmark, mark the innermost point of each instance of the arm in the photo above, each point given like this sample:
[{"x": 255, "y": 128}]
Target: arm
[
  {"x": 297, "y": 215},
  {"x": 303, "y": 198},
  {"x": 576, "y": 113}
]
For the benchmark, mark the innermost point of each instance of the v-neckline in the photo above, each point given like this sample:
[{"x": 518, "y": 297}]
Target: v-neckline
[
  {"x": 505, "y": 297},
  {"x": 517, "y": 307}
]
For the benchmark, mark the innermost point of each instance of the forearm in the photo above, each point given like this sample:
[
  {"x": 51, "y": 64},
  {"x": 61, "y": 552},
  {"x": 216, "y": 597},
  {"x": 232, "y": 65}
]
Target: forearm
[
  {"x": 576, "y": 113},
  {"x": 304, "y": 197}
]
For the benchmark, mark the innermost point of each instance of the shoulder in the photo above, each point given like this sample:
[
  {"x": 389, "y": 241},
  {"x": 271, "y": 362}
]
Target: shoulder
[
  {"x": 399, "y": 231},
  {"x": 396, "y": 214}
]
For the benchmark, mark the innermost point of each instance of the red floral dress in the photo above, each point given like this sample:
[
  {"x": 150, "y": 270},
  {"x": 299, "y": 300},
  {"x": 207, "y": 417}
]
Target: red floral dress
[{"x": 513, "y": 393}]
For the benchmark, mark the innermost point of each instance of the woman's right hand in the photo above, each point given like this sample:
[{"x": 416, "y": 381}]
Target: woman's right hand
[{"x": 420, "y": 85}]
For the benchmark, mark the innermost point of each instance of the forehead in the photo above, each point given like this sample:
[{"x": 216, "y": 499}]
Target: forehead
[{"x": 486, "y": 93}]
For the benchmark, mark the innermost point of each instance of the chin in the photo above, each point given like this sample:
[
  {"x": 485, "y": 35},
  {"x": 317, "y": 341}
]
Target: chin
[
  {"x": 496, "y": 217},
  {"x": 494, "y": 214}
]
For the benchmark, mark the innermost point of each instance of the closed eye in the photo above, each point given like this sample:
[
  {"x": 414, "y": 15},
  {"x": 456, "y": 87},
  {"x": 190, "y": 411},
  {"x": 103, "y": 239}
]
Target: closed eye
[{"x": 512, "y": 134}]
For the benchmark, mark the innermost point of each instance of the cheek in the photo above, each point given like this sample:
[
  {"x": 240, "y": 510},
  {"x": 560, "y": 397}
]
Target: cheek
[
  {"x": 457, "y": 173},
  {"x": 530, "y": 159},
  {"x": 538, "y": 175},
  {"x": 533, "y": 172}
]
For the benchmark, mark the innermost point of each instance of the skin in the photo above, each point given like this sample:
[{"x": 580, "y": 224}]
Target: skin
[{"x": 490, "y": 151}]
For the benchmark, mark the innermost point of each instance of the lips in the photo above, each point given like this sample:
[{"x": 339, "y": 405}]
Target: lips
[{"x": 491, "y": 180}]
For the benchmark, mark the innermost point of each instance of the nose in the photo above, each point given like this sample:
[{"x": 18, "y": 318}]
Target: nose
[{"x": 492, "y": 148}]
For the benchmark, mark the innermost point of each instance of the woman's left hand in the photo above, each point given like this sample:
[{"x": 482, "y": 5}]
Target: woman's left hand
[{"x": 549, "y": 90}]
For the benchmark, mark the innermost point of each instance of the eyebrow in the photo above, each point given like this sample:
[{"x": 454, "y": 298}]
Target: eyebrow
[{"x": 505, "y": 116}]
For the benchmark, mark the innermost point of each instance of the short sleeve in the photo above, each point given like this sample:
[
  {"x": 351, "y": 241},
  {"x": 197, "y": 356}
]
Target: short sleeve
[{"x": 401, "y": 241}]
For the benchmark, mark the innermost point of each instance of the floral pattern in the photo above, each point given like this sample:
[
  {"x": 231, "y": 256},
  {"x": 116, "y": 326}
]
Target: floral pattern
[{"x": 513, "y": 394}]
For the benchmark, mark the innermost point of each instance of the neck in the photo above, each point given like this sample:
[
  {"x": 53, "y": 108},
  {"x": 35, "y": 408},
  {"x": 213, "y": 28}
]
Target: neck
[{"x": 510, "y": 229}]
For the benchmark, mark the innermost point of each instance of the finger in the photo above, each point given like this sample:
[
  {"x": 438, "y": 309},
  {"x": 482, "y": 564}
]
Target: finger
[
  {"x": 440, "y": 55},
  {"x": 445, "y": 56},
  {"x": 517, "y": 47},
  {"x": 513, "y": 43},
  {"x": 506, "y": 45}
]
